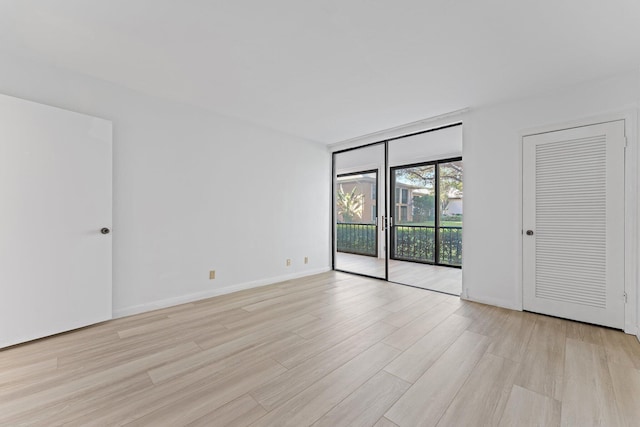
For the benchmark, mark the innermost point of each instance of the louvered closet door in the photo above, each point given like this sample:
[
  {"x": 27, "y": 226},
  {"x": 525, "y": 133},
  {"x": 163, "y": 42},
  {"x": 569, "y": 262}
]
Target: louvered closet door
[{"x": 573, "y": 220}]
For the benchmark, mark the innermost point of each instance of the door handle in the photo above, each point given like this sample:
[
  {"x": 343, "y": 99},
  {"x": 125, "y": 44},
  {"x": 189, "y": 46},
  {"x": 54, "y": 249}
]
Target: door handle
[
  {"x": 105, "y": 230},
  {"x": 529, "y": 232}
]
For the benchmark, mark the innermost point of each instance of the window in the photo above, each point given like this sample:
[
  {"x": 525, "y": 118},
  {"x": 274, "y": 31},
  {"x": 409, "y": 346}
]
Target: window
[
  {"x": 405, "y": 196},
  {"x": 428, "y": 212}
]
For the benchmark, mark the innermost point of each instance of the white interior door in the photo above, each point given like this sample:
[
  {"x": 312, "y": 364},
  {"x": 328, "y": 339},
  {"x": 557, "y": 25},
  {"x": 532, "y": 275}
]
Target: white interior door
[
  {"x": 573, "y": 220},
  {"x": 55, "y": 197}
]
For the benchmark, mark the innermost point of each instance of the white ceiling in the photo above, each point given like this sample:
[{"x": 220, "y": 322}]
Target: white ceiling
[{"x": 329, "y": 70}]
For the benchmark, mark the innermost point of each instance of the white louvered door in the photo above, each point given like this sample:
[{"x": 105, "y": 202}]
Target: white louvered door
[{"x": 573, "y": 221}]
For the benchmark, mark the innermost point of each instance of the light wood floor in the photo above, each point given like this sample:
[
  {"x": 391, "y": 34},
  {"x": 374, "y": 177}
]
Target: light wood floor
[
  {"x": 425, "y": 276},
  {"x": 327, "y": 350}
]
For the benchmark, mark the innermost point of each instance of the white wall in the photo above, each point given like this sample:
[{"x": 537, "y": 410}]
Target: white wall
[
  {"x": 194, "y": 191},
  {"x": 492, "y": 169},
  {"x": 425, "y": 147}
]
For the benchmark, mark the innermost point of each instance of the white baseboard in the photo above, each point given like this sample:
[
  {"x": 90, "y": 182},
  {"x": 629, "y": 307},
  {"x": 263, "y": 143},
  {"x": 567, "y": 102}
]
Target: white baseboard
[
  {"x": 492, "y": 301},
  {"x": 631, "y": 329},
  {"x": 182, "y": 299}
]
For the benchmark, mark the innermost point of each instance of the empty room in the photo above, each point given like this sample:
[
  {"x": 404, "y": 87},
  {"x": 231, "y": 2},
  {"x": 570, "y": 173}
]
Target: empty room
[{"x": 330, "y": 213}]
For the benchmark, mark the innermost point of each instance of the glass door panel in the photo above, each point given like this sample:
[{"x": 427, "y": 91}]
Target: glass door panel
[
  {"x": 358, "y": 194},
  {"x": 450, "y": 213},
  {"x": 356, "y": 210},
  {"x": 426, "y": 231},
  {"x": 413, "y": 234},
  {"x": 425, "y": 203}
]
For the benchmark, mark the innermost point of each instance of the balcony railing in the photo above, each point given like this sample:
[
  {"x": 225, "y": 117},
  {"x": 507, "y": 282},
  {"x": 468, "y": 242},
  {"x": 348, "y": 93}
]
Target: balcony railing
[
  {"x": 418, "y": 243},
  {"x": 451, "y": 246},
  {"x": 415, "y": 243},
  {"x": 357, "y": 239}
]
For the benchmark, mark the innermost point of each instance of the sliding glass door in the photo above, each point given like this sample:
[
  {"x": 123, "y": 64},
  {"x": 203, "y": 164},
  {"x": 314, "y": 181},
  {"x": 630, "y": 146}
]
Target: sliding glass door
[
  {"x": 358, "y": 211},
  {"x": 407, "y": 192}
]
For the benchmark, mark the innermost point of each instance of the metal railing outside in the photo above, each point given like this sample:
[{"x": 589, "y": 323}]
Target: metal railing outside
[
  {"x": 417, "y": 243},
  {"x": 414, "y": 243},
  {"x": 450, "y": 246},
  {"x": 358, "y": 239}
]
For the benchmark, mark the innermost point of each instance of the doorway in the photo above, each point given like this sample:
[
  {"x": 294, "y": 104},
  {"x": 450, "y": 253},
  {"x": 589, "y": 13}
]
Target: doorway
[
  {"x": 398, "y": 209},
  {"x": 359, "y": 211},
  {"x": 357, "y": 243},
  {"x": 55, "y": 250},
  {"x": 425, "y": 246}
]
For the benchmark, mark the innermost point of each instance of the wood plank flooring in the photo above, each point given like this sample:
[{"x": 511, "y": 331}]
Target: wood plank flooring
[
  {"x": 425, "y": 276},
  {"x": 326, "y": 350}
]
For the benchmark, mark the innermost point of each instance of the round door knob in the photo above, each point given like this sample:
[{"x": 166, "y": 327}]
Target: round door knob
[
  {"x": 529, "y": 232},
  {"x": 105, "y": 230}
]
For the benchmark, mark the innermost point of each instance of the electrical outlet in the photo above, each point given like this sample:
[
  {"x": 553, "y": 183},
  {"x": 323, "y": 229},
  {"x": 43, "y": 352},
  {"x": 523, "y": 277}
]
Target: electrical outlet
[
  {"x": 212, "y": 274},
  {"x": 306, "y": 260},
  {"x": 288, "y": 262}
]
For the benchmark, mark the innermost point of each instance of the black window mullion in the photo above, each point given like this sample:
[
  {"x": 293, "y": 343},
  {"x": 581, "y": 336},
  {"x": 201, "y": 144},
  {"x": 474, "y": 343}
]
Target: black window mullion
[{"x": 437, "y": 213}]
